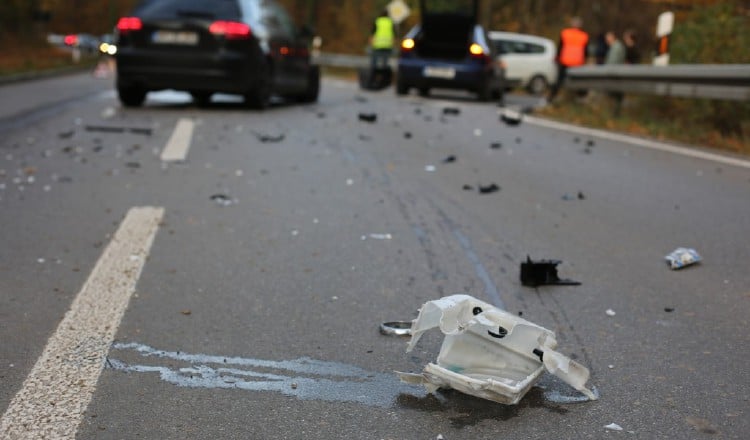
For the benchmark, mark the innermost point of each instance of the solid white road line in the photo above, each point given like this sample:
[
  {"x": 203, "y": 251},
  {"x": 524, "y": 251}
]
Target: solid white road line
[
  {"x": 179, "y": 143},
  {"x": 645, "y": 143},
  {"x": 59, "y": 387}
]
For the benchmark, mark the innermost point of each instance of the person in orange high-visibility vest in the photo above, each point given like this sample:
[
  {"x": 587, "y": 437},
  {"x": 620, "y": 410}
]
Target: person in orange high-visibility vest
[{"x": 571, "y": 52}]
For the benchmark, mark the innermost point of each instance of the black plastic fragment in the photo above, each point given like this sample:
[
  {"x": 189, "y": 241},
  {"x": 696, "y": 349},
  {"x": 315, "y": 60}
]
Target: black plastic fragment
[
  {"x": 489, "y": 189},
  {"x": 468, "y": 188},
  {"x": 450, "y": 159},
  {"x": 368, "y": 117},
  {"x": 270, "y": 139},
  {"x": 496, "y": 145},
  {"x": 407, "y": 135},
  {"x": 66, "y": 134},
  {"x": 501, "y": 333},
  {"x": 543, "y": 273},
  {"x": 539, "y": 353},
  {"x": 454, "y": 111}
]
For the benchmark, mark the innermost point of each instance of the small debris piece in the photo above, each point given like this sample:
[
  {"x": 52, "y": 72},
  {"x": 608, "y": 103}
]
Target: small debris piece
[
  {"x": 222, "y": 199},
  {"x": 496, "y": 145},
  {"x": 269, "y": 139},
  {"x": 488, "y": 352},
  {"x": 430, "y": 168},
  {"x": 489, "y": 189},
  {"x": 581, "y": 196},
  {"x": 294, "y": 385},
  {"x": 613, "y": 427},
  {"x": 368, "y": 117},
  {"x": 365, "y": 138},
  {"x": 453, "y": 111},
  {"x": 396, "y": 328},
  {"x": 511, "y": 117},
  {"x": 449, "y": 159},
  {"x": 610, "y": 312},
  {"x": 468, "y": 188},
  {"x": 143, "y": 131},
  {"x": 66, "y": 134},
  {"x": 669, "y": 309},
  {"x": 186, "y": 312},
  {"x": 381, "y": 236},
  {"x": 407, "y": 135},
  {"x": 683, "y": 257},
  {"x": 478, "y": 132},
  {"x": 133, "y": 165},
  {"x": 590, "y": 143},
  {"x": 543, "y": 273}
]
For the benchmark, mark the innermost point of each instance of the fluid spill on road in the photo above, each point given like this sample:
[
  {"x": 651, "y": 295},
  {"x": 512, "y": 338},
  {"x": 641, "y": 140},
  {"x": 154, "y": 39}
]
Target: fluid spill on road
[{"x": 304, "y": 378}]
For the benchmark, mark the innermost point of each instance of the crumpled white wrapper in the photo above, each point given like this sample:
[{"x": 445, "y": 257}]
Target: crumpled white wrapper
[{"x": 489, "y": 353}]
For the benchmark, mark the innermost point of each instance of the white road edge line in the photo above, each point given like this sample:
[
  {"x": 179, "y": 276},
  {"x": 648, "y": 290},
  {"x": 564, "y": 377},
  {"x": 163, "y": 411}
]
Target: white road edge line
[
  {"x": 645, "y": 143},
  {"x": 57, "y": 391},
  {"x": 179, "y": 143}
]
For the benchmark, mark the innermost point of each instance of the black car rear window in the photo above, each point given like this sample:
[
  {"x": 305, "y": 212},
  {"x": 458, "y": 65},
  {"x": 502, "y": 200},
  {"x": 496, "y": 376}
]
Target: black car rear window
[{"x": 208, "y": 9}]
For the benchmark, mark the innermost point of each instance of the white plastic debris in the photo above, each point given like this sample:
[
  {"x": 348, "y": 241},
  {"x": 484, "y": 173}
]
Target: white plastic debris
[
  {"x": 489, "y": 353},
  {"x": 682, "y": 257},
  {"x": 610, "y": 312},
  {"x": 430, "y": 168},
  {"x": 613, "y": 427}
]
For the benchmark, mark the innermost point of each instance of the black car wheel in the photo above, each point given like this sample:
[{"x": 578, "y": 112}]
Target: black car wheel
[
  {"x": 313, "y": 85},
  {"x": 131, "y": 96},
  {"x": 537, "y": 86},
  {"x": 259, "y": 98},
  {"x": 485, "y": 91}
]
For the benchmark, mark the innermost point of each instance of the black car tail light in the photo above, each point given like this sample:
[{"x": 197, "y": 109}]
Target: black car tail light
[
  {"x": 129, "y": 24},
  {"x": 231, "y": 30}
]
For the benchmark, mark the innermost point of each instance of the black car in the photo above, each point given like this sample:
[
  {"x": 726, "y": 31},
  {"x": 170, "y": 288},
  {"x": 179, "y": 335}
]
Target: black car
[
  {"x": 246, "y": 47},
  {"x": 449, "y": 49}
]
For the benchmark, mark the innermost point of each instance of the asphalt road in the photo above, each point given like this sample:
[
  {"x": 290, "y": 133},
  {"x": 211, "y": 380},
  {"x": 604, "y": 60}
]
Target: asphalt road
[{"x": 272, "y": 253}]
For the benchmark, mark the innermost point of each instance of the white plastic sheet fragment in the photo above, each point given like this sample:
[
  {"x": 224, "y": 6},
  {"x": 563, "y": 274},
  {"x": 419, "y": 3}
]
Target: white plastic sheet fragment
[{"x": 489, "y": 353}]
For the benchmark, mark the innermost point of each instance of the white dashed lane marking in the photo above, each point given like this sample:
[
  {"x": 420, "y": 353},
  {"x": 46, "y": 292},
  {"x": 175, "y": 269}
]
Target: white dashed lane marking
[
  {"x": 179, "y": 143},
  {"x": 59, "y": 387}
]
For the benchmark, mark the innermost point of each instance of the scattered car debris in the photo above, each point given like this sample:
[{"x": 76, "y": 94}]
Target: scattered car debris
[
  {"x": 511, "y": 117},
  {"x": 407, "y": 135},
  {"x": 683, "y": 257},
  {"x": 368, "y": 117},
  {"x": 113, "y": 129},
  {"x": 496, "y": 145},
  {"x": 613, "y": 427},
  {"x": 669, "y": 309},
  {"x": 430, "y": 168},
  {"x": 269, "y": 139},
  {"x": 590, "y": 143},
  {"x": 450, "y": 159},
  {"x": 66, "y": 134},
  {"x": 579, "y": 196},
  {"x": 453, "y": 111},
  {"x": 478, "y": 132},
  {"x": 468, "y": 188},
  {"x": 543, "y": 273},
  {"x": 488, "y": 352},
  {"x": 378, "y": 236},
  {"x": 610, "y": 312},
  {"x": 489, "y": 189},
  {"x": 223, "y": 200},
  {"x": 396, "y": 328}
]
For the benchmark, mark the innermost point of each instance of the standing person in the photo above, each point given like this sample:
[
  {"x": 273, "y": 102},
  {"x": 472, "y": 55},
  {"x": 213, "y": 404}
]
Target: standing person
[
  {"x": 632, "y": 56},
  {"x": 616, "y": 51},
  {"x": 381, "y": 41},
  {"x": 571, "y": 52},
  {"x": 615, "y": 55}
]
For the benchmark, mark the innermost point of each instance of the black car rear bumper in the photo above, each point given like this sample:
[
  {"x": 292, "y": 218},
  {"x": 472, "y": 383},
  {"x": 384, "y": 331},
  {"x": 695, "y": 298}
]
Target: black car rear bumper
[{"x": 226, "y": 71}]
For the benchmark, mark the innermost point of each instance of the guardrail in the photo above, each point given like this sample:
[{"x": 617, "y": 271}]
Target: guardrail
[
  {"x": 707, "y": 81},
  {"x": 714, "y": 81},
  {"x": 348, "y": 61}
]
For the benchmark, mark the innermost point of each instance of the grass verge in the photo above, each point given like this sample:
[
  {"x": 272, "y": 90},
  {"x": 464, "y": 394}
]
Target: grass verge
[{"x": 719, "y": 125}]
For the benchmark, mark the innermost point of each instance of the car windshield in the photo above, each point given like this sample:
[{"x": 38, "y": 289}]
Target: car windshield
[{"x": 208, "y": 9}]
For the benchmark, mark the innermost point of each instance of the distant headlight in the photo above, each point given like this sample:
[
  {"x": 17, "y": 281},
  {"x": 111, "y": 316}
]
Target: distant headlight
[
  {"x": 112, "y": 49},
  {"x": 408, "y": 44},
  {"x": 104, "y": 48}
]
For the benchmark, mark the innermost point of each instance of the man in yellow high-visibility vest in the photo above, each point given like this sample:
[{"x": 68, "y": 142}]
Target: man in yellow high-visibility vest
[{"x": 382, "y": 41}]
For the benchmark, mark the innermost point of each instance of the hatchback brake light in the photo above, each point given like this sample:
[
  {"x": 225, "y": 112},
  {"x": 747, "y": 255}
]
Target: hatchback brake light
[
  {"x": 407, "y": 45},
  {"x": 71, "y": 40},
  {"x": 231, "y": 30},
  {"x": 478, "y": 52},
  {"x": 129, "y": 24}
]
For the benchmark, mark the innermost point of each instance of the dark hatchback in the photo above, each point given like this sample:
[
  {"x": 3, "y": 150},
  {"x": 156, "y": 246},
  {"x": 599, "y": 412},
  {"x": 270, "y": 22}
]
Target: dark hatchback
[
  {"x": 449, "y": 49},
  {"x": 246, "y": 47}
]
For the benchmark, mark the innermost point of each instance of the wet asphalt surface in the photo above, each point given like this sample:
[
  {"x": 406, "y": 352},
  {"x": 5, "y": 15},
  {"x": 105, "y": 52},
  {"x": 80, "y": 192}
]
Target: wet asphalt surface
[{"x": 291, "y": 234}]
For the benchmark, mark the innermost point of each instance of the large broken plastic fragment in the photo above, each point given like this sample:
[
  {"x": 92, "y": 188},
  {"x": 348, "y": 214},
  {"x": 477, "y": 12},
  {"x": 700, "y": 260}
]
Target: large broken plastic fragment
[{"x": 489, "y": 353}]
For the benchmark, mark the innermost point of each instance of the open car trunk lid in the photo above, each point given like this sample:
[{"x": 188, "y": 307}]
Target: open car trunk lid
[{"x": 446, "y": 27}]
